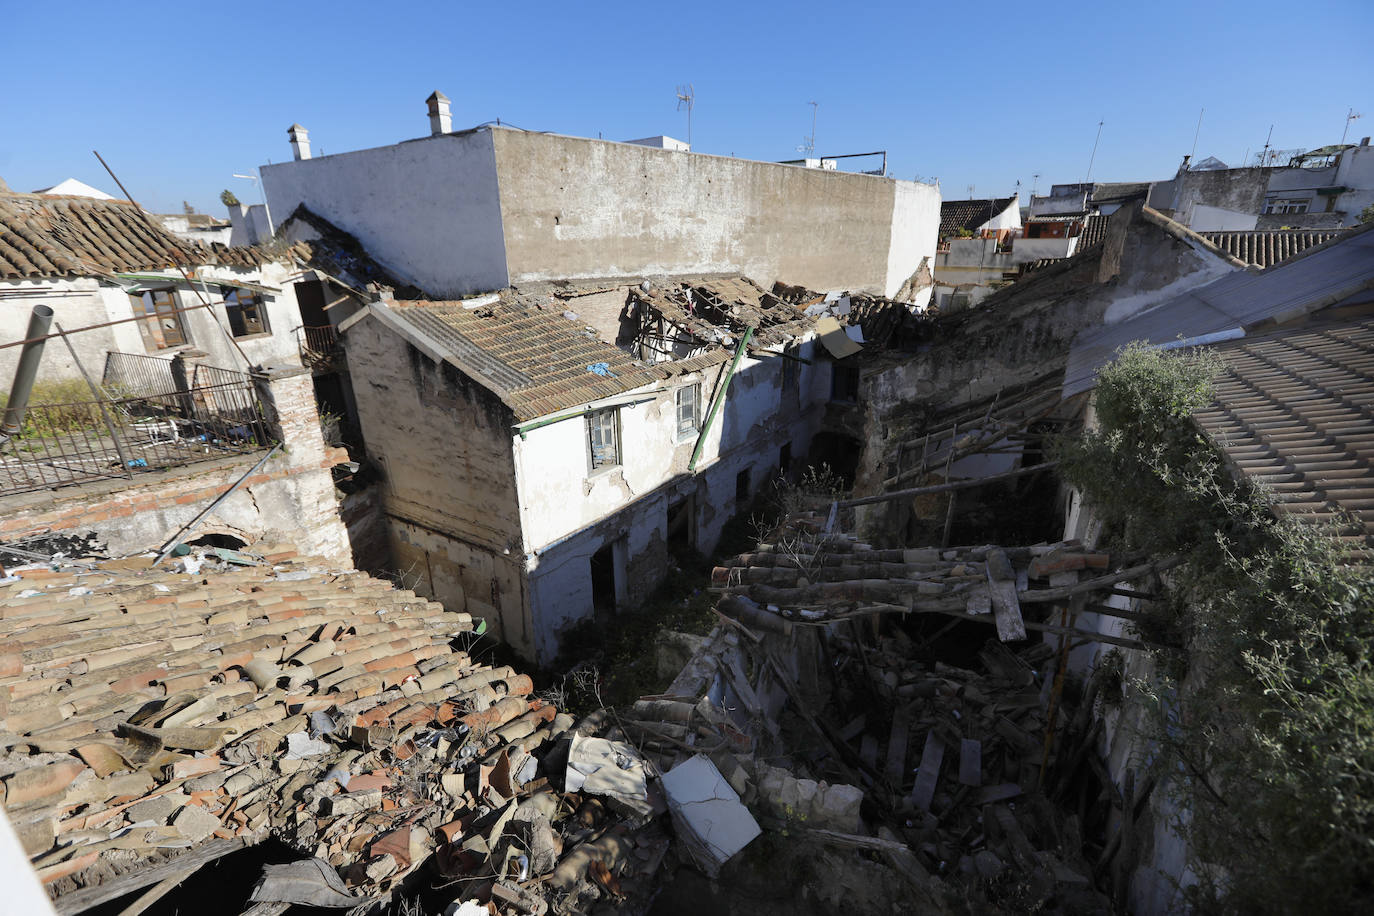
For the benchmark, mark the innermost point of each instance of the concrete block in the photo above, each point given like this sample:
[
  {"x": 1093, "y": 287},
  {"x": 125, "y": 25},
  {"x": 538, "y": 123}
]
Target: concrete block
[{"x": 708, "y": 814}]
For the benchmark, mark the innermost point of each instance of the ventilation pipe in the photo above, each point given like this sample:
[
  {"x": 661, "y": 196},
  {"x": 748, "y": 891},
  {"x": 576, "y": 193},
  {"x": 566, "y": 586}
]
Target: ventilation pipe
[
  {"x": 300, "y": 141},
  {"x": 440, "y": 120},
  {"x": 24, "y": 373}
]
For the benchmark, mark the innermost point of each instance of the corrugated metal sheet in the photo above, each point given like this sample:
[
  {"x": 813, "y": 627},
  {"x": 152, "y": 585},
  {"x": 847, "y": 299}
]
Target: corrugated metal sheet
[
  {"x": 1320, "y": 277},
  {"x": 1295, "y": 410}
]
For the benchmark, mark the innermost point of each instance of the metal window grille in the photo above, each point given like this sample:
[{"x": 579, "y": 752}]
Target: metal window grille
[
  {"x": 603, "y": 439},
  {"x": 687, "y": 410}
]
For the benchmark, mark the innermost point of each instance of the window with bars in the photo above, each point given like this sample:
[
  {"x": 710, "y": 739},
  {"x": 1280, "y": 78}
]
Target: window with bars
[
  {"x": 603, "y": 438},
  {"x": 246, "y": 312},
  {"x": 1286, "y": 205},
  {"x": 688, "y": 414},
  {"x": 164, "y": 328}
]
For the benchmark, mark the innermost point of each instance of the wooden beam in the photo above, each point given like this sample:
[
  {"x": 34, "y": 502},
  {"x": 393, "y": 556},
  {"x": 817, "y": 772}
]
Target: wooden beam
[
  {"x": 158, "y": 891},
  {"x": 945, "y": 487},
  {"x": 932, "y": 755}
]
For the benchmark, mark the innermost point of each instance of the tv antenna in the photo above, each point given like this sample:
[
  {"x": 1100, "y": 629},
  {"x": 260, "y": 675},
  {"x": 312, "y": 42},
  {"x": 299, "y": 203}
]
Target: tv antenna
[
  {"x": 970, "y": 192},
  {"x": 1264, "y": 154},
  {"x": 687, "y": 95},
  {"x": 809, "y": 143},
  {"x": 1093, "y": 157},
  {"x": 1035, "y": 183},
  {"x": 1350, "y": 115}
]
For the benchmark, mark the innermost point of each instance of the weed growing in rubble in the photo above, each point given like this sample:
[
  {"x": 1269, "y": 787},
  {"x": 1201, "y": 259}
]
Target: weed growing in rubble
[{"x": 1268, "y": 726}]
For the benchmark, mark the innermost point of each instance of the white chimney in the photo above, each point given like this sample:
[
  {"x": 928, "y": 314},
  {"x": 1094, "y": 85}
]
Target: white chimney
[
  {"x": 300, "y": 141},
  {"x": 440, "y": 122}
]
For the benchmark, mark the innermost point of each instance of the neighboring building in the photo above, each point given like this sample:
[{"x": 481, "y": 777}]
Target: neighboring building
[
  {"x": 662, "y": 142},
  {"x": 106, "y": 262},
  {"x": 457, "y": 213},
  {"x": 537, "y": 475},
  {"x": 198, "y": 227},
  {"x": 70, "y": 187},
  {"x": 1325, "y": 188}
]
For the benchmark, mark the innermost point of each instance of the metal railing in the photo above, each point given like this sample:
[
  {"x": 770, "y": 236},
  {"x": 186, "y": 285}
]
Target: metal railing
[
  {"x": 155, "y": 415},
  {"x": 319, "y": 347}
]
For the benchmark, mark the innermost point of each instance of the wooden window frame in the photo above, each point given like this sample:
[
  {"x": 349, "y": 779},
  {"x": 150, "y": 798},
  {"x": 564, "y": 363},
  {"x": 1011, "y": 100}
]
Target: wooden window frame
[
  {"x": 238, "y": 304},
  {"x": 603, "y": 424}
]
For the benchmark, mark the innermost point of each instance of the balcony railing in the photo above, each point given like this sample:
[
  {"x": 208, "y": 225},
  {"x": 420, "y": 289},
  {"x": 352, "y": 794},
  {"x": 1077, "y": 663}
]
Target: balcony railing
[
  {"x": 156, "y": 413},
  {"x": 319, "y": 347}
]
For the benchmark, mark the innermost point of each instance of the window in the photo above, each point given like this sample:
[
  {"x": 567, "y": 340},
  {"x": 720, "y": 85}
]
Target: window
[
  {"x": 687, "y": 415},
  {"x": 164, "y": 327},
  {"x": 844, "y": 383},
  {"x": 1285, "y": 205},
  {"x": 246, "y": 312},
  {"x": 603, "y": 438}
]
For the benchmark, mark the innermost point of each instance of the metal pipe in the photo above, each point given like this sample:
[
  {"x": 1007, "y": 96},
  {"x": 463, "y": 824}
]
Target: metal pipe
[
  {"x": 719, "y": 398},
  {"x": 25, "y": 372}
]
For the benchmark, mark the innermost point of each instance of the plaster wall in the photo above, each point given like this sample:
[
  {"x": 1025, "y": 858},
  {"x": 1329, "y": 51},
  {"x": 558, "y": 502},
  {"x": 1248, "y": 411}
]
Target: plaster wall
[
  {"x": 1026, "y": 250},
  {"x": 569, "y": 513},
  {"x": 1356, "y": 171},
  {"x": 428, "y": 210},
  {"x": 578, "y": 208},
  {"x": 1237, "y": 190},
  {"x": 1069, "y": 201},
  {"x": 915, "y": 231},
  {"x": 75, "y": 303},
  {"x": 1216, "y": 219},
  {"x": 442, "y": 443}
]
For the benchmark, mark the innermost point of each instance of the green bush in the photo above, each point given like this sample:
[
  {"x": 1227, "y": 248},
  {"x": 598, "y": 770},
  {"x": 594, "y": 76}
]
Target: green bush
[{"x": 1269, "y": 723}]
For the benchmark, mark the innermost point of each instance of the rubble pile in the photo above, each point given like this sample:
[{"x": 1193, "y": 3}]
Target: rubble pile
[
  {"x": 223, "y": 697},
  {"x": 832, "y": 724}
]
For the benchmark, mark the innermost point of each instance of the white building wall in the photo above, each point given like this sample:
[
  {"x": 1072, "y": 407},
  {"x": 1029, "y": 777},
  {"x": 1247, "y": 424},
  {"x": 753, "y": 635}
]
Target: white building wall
[
  {"x": 915, "y": 232},
  {"x": 1216, "y": 219},
  {"x": 568, "y": 513},
  {"x": 428, "y": 210}
]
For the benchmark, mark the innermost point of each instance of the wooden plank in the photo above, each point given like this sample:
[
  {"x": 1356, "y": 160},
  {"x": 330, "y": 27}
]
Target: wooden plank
[
  {"x": 854, "y": 728},
  {"x": 997, "y": 793},
  {"x": 1006, "y": 609},
  {"x": 929, "y": 774},
  {"x": 158, "y": 891},
  {"x": 868, "y": 751},
  {"x": 971, "y": 762}
]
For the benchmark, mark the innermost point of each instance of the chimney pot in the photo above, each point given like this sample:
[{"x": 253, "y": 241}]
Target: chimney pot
[
  {"x": 1364, "y": 141},
  {"x": 300, "y": 141},
  {"x": 440, "y": 121}
]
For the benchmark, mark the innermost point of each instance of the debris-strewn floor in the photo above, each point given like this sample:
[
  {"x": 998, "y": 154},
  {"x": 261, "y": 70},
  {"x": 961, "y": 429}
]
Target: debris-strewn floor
[{"x": 885, "y": 779}]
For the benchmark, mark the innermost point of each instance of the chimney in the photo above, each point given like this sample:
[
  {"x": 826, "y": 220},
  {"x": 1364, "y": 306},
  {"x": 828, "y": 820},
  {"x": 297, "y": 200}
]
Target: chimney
[
  {"x": 300, "y": 141},
  {"x": 1364, "y": 141},
  {"x": 440, "y": 122}
]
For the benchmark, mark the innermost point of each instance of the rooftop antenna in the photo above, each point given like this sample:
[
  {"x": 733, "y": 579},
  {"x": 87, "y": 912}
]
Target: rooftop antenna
[
  {"x": 1264, "y": 154},
  {"x": 1350, "y": 115},
  {"x": 809, "y": 143},
  {"x": 970, "y": 192},
  {"x": 1195, "y": 134},
  {"x": 1093, "y": 157},
  {"x": 1035, "y": 183},
  {"x": 687, "y": 95}
]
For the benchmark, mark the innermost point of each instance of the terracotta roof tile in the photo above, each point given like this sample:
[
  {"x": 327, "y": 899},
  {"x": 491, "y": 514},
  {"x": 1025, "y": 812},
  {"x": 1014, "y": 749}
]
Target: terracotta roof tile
[{"x": 53, "y": 236}]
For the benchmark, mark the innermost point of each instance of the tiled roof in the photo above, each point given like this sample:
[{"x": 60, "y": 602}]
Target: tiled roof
[
  {"x": 536, "y": 360},
  {"x": 1094, "y": 231},
  {"x": 970, "y": 214},
  {"x": 1295, "y": 410},
  {"x": 52, "y": 236},
  {"x": 1338, "y": 272},
  {"x": 144, "y": 711},
  {"x": 1267, "y": 247}
]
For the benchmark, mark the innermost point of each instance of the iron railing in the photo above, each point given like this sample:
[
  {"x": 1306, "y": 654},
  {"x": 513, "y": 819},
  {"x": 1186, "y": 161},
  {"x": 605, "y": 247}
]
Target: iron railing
[
  {"x": 319, "y": 347},
  {"x": 154, "y": 415}
]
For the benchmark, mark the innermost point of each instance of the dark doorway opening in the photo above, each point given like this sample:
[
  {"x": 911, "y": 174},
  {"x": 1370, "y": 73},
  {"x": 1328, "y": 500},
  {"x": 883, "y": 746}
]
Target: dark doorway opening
[
  {"x": 839, "y": 452},
  {"x": 227, "y": 541},
  {"x": 310, "y": 299},
  {"x": 682, "y": 533},
  {"x": 785, "y": 460},
  {"x": 603, "y": 579},
  {"x": 742, "y": 487}
]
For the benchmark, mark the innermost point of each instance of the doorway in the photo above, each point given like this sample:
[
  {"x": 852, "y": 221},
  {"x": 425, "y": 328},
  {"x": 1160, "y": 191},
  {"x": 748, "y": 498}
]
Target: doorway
[
  {"x": 608, "y": 577},
  {"x": 682, "y": 535}
]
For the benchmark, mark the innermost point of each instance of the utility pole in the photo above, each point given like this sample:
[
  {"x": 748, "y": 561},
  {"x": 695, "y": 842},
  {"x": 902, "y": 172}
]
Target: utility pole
[{"x": 1195, "y": 135}]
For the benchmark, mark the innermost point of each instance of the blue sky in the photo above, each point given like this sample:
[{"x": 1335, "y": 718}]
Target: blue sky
[{"x": 179, "y": 96}]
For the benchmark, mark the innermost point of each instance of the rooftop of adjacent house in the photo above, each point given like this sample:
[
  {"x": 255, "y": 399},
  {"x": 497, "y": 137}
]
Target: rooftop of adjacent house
[
  {"x": 54, "y": 236},
  {"x": 193, "y": 707},
  {"x": 1295, "y": 411},
  {"x": 1111, "y": 192},
  {"x": 540, "y": 358},
  {"x": 339, "y": 254},
  {"x": 968, "y": 215},
  {"x": 1337, "y": 272}
]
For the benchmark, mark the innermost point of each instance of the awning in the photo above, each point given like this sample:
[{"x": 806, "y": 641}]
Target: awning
[{"x": 139, "y": 282}]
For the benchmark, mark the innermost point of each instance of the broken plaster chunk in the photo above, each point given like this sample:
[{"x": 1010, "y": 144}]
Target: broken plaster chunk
[
  {"x": 195, "y": 823},
  {"x": 299, "y": 745},
  {"x": 837, "y": 808},
  {"x": 708, "y": 813},
  {"x": 601, "y": 767}
]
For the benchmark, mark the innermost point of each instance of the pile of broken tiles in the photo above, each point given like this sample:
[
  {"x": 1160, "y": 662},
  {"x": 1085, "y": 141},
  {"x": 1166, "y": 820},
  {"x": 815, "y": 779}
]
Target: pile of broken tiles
[{"x": 224, "y": 697}]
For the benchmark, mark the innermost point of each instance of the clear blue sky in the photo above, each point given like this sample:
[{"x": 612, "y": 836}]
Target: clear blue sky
[{"x": 178, "y": 96}]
